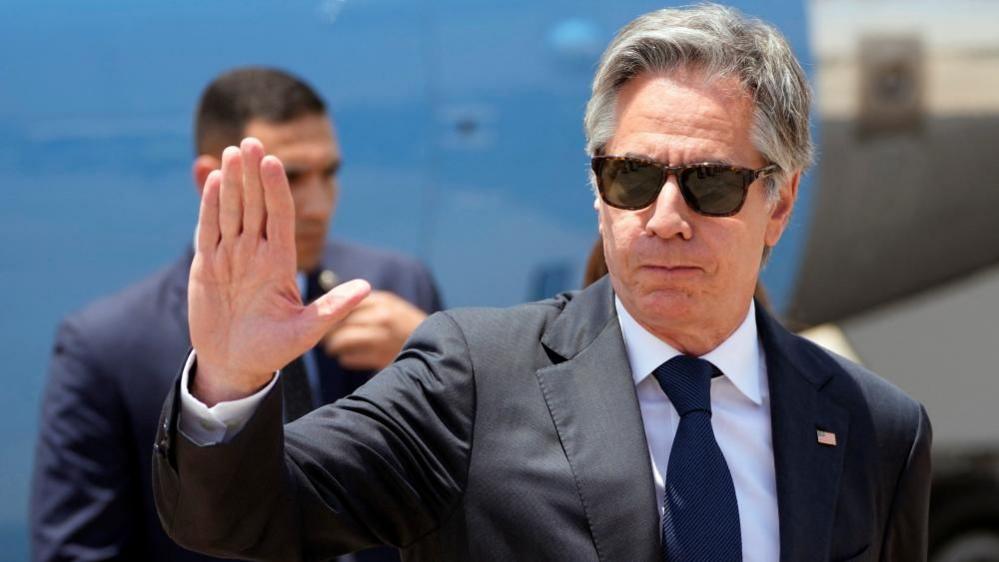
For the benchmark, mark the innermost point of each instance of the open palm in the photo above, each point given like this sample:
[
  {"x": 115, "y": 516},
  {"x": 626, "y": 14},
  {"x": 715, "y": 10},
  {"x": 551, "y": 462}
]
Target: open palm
[{"x": 245, "y": 312}]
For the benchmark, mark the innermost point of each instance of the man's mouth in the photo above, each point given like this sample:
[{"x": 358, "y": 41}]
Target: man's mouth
[{"x": 678, "y": 271}]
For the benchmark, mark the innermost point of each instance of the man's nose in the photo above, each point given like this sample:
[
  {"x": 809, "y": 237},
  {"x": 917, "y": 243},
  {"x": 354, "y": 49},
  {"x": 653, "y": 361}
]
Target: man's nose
[
  {"x": 670, "y": 215},
  {"x": 312, "y": 199}
]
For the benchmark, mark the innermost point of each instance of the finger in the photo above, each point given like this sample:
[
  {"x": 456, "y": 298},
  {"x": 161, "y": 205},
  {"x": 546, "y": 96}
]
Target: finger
[
  {"x": 387, "y": 310},
  {"x": 354, "y": 339},
  {"x": 361, "y": 348},
  {"x": 279, "y": 205},
  {"x": 319, "y": 317},
  {"x": 366, "y": 360},
  {"x": 231, "y": 197},
  {"x": 253, "y": 192},
  {"x": 364, "y": 316},
  {"x": 378, "y": 308},
  {"x": 378, "y": 298},
  {"x": 370, "y": 304},
  {"x": 208, "y": 218},
  {"x": 373, "y": 301}
]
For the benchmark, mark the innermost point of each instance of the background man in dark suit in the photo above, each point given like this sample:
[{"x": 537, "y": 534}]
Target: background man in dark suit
[
  {"x": 658, "y": 414},
  {"x": 91, "y": 497}
]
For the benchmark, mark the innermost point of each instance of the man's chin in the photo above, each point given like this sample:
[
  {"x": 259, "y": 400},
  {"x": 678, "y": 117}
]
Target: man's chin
[
  {"x": 309, "y": 252},
  {"x": 664, "y": 306},
  {"x": 308, "y": 262}
]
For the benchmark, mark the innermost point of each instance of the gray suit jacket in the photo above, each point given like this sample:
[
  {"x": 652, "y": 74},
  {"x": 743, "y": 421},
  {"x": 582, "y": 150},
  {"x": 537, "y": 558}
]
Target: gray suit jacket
[{"x": 516, "y": 435}]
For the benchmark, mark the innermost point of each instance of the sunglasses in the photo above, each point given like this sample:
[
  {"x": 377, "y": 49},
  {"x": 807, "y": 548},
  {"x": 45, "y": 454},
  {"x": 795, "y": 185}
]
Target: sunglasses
[{"x": 714, "y": 190}]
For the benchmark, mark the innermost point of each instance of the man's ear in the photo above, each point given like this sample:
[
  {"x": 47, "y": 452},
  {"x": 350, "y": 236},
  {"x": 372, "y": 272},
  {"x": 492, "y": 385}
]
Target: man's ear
[
  {"x": 203, "y": 165},
  {"x": 780, "y": 214},
  {"x": 600, "y": 222}
]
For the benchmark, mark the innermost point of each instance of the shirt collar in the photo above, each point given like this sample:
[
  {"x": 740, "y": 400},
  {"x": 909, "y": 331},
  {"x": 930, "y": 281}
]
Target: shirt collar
[{"x": 738, "y": 357}]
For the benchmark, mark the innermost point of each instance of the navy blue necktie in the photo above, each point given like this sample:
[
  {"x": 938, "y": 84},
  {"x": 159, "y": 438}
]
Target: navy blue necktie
[
  {"x": 296, "y": 389},
  {"x": 701, "y": 514}
]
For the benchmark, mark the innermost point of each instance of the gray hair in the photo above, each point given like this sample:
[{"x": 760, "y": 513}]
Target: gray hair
[{"x": 719, "y": 41}]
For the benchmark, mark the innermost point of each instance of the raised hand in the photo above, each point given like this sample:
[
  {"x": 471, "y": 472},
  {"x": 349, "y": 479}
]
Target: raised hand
[{"x": 245, "y": 312}]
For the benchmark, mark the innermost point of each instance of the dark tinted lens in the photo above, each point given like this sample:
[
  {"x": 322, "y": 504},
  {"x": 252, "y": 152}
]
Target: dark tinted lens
[
  {"x": 714, "y": 190},
  {"x": 629, "y": 184}
]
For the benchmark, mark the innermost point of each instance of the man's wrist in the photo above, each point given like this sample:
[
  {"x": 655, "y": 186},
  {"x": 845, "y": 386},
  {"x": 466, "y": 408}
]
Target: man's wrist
[
  {"x": 204, "y": 425},
  {"x": 211, "y": 385}
]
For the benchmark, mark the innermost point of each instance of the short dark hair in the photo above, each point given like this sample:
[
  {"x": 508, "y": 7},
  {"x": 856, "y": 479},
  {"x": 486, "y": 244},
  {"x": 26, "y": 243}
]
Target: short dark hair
[{"x": 241, "y": 95}]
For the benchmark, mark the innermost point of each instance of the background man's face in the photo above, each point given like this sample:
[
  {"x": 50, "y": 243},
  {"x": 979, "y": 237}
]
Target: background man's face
[
  {"x": 311, "y": 157},
  {"x": 672, "y": 268}
]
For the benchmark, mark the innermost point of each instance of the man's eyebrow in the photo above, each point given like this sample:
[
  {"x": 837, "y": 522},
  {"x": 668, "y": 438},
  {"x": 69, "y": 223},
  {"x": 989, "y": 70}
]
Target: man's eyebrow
[
  {"x": 292, "y": 170},
  {"x": 715, "y": 162},
  {"x": 641, "y": 156}
]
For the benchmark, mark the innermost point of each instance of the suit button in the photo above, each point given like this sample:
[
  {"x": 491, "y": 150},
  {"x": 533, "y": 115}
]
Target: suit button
[
  {"x": 158, "y": 450},
  {"x": 162, "y": 446}
]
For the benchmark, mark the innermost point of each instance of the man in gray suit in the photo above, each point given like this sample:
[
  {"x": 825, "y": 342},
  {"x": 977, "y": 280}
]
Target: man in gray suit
[{"x": 658, "y": 414}]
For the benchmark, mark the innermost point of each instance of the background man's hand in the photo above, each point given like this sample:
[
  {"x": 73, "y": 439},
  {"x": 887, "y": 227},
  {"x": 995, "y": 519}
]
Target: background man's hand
[
  {"x": 373, "y": 334},
  {"x": 245, "y": 312}
]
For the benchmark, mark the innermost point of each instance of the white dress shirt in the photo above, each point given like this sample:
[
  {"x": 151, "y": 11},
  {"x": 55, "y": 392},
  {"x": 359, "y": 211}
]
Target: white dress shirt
[
  {"x": 740, "y": 406},
  {"x": 220, "y": 423},
  {"x": 740, "y": 418}
]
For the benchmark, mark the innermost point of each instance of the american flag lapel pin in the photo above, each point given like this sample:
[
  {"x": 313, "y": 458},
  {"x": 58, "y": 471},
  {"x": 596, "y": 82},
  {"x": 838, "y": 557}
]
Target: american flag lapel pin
[{"x": 826, "y": 438}]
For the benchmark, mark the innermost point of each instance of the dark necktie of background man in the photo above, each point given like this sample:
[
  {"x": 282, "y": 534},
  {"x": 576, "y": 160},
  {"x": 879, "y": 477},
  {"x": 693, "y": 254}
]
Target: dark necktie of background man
[{"x": 299, "y": 397}]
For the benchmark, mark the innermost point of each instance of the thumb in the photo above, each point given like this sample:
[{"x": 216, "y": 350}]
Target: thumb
[{"x": 334, "y": 306}]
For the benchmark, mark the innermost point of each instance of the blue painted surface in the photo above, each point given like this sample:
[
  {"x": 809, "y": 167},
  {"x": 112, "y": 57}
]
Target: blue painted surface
[{"x": 460, "y": 123}]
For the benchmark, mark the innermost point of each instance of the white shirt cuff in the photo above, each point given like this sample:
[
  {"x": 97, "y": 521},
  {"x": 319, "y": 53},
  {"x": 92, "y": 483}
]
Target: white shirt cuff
[{"x": 210, "y": 426}]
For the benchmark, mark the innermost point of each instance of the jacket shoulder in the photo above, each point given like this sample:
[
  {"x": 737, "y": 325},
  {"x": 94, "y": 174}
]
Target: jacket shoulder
[
  {"x": 897, "y": 418},
  {"x": 125, "y": 322},
  {"x": 889, "y": 405},
  {"x": 496, "y": 322}
]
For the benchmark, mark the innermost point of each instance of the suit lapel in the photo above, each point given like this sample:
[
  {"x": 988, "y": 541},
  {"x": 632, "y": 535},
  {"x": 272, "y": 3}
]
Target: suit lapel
[
  {"x": 808, "y": 472},
  {"x": 591, "y": 398}
]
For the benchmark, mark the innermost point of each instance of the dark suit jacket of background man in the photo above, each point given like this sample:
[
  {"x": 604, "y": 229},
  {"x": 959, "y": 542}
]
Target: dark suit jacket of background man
[
  {"x": 516, "y": 435},
  {"x": 113, "y": 365}
]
